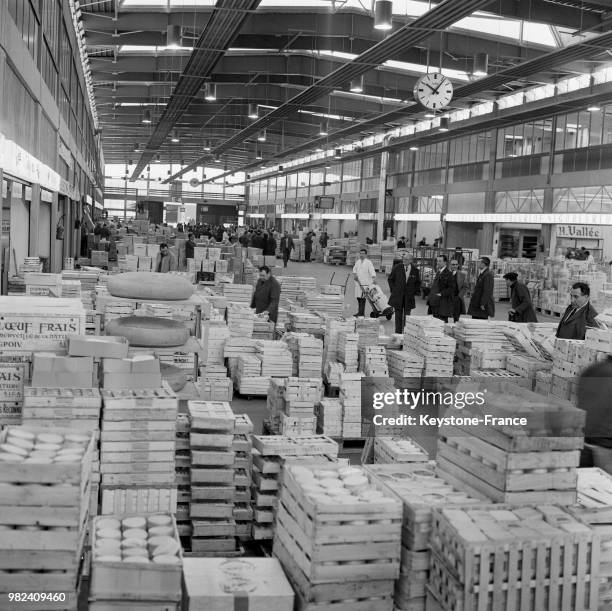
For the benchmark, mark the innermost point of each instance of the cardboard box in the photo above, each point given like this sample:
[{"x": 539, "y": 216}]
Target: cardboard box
[
  {"x": 50, "y": 370},
  {"x": 142, "y": 363},
  {"x": 108, "y": 346},
  {"x": 131, "y": 380},
  {"x": 211, "y": 585},
  {"x": 140, "y": 250}
]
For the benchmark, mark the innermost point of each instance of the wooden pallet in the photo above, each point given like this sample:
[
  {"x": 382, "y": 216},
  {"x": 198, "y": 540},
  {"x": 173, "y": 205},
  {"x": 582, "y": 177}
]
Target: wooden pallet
[{"x": 498, "y": 557}]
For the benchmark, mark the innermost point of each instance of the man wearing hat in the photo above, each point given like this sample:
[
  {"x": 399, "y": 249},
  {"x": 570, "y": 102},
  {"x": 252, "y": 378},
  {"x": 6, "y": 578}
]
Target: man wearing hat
[
  {"x": 520, "y": 299},
  {"x": 482, "y": 304}
]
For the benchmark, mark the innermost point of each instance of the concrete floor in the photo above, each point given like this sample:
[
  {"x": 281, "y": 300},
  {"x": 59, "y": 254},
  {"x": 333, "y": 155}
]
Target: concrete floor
[{"x": 256, "y": 408}]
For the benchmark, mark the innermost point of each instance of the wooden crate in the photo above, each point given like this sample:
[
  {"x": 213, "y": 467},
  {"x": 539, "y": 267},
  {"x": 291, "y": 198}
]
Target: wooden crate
[
  {"x": 123, "y": 581},
  {"x": 279, "y": 445},
  {"x": 498, "y": 558},
  {"x": 396, "y": 450},
  {"x": 547, "y": 476},
  {"x": 138, "y": 500},
  {"x": 320, "y": 534}
]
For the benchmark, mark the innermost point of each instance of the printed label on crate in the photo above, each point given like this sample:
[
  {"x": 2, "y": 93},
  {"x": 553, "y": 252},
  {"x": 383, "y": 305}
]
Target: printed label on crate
[
  {"x": 22, "y": 332},
  {"x": 11, "y": 381}
]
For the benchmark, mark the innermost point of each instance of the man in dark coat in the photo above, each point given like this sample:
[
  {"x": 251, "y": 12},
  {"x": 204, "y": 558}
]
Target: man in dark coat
[
  {"x": 308, "y": 246},
  {"x": 286, "y": 246},
  {"x": 405, "y": 283},
  {"x": 401, "y": 243},
  {"x": 482, "y": 304},
  {"x": 579, "y": 315},
  {"x": 267, "y": 294},
  {"x": 520, "y": 300},
  {"x": 323, "y": 239},
  {"x": 443, "y": 290},
  {"x": 190, "y": 244},
  {"x": 462, "y": 287},
  {"x": 270, "y": 249}
]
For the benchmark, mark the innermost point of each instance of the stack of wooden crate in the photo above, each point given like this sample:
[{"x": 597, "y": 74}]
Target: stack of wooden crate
[
  {"x": 338, "y": 539},
  {"x": 373, "y": 361},
  {"x": 594, "y": 507},
  {"x": 350, "y": 398},
  {"x": 499, "y": 557},
  {"x": 530, "y": 463},
  {"x": 405, "y": 363},
  {"x": 243, "y": 465},
  {"x": 368, "y": 330},
  {"x": 348, "y": 353},
  {"x": 44, "y": 502},
  {"x": 275, "y": 358},
  {"x": 329, "y": 417},
  {"x": 183, "y": 478},
  {"x": 333, "y": 328},
  {"x": 213, "y": 490},
  {"x": 70, "y": 408},
  {"x": 425, "y": 335},
  {"x": 269, "y": 455},
  {"x": 481, "y": 344},
  {"x": 138, "y": 448},
  {"x": 420, "y": 490},
  {"x": 566, "y": 368},
  {"x": 137, "y": 563}
]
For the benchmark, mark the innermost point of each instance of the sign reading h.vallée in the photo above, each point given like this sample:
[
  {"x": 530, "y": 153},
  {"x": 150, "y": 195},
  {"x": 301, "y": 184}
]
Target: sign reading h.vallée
[{"x": 592, "y": 232}]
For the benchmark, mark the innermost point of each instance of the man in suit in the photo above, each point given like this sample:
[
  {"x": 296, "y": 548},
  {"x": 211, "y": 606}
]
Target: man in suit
[
  {"x": 286, "y": 246},
  {"x": 579, "y": 315},
  {"x": 462, "y": 287},
  {"x": 520, "y": 300},
  {"x": 443, "y": 290},
  {"x": 405, "y": 283},
  {"x": 481, "y": 304}
]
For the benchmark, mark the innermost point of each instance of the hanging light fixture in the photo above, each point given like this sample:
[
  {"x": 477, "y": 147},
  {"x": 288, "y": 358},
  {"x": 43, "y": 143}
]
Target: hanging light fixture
[
  {"x": 253, "y": 111},
  {"x": 443, "y": 124},
  {"x": 146, "y": 118},
  {"x": 281, "y": 169},
  {"x": 258, "y": 154},
  {"x": 210, "y": 92},
  {"x": 137, "y": 147},
  {"x": 261, "y": 137},
  {"x": 430, "y": 115},
  {"x": 217, "y": 159},
  {"x": 327, "y": 165},
  {"x": 383, "y": 14},
  {"x": 207, "y": 145},
  {"x": 175, "y": 137},
  {"x": 594, "y": 108},
  {"x": 338, "y": 154},
  {"x": 414, "y": 148},
  {"x": 173, "y": 36},
  {"x": 481, "y": 64},
  {"x": 356, "y": 85},
  {"x": 324, "y": 129},
  {"x": 157, "y": 159}
]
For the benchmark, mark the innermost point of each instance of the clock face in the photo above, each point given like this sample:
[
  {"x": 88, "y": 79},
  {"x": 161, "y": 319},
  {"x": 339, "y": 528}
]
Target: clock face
[{"x": 434, "y": 91}]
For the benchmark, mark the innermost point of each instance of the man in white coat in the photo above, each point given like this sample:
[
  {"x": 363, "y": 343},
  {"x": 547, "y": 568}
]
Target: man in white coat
[{"x": 364, "y": 272}]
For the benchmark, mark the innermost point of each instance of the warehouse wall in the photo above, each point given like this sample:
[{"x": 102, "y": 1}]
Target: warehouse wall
[{"x": 44, "y": 230}]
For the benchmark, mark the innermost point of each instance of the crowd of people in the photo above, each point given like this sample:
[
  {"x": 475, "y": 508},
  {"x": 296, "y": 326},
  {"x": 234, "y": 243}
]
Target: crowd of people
[{"x": 446, "y": 297}]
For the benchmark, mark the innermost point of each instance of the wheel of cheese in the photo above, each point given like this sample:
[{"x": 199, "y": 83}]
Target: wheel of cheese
[
  {"x": 150, "y": 285},
  {"x": 149, "y": 331},
  {"x": 174, "y": 375}
]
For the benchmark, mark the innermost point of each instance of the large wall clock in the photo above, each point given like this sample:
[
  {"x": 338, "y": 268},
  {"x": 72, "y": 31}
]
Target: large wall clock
[{"x": 433, "y": 91}]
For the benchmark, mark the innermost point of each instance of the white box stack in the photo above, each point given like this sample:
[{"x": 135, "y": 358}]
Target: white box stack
[
  {"x": 238, "y": 293},
  {"x": 215, "y": 333},
  {"x": 425, "y": 335},
  {"x": 211, "y": 439},
  {"x": 240, "y": 320},
  {"x": 368, "y": 330},
  {"x": 332, "y": 330},
  {"x": 373, "y": 361},
  {"x": 405, "y": 363},
  {"x": 248, "y": 380},
  {"x": 332, "y": 373},
  {"x": 348, "y": 353},
  {"x": 275, "y": 358},
  {"x": 310, "y": 355},
  {"x": 350, "y": 398},
  {"x": 329, "y": 417}
]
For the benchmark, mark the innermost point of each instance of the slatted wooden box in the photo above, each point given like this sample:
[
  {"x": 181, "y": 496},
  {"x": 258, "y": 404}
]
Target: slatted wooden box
[
  {"x": 499, "y": 557},
  {"x": 125, "y": 581}
]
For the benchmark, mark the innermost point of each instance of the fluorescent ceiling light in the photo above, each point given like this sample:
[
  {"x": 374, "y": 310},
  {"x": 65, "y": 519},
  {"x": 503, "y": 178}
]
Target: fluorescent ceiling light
[
  {"x": 210, "y": 92},
  {"x": 173, "y": 37},
  {"x": 253, "y": 111},
  {"x": 417, "y": 217},
  {"x": 356, "y": 85}
]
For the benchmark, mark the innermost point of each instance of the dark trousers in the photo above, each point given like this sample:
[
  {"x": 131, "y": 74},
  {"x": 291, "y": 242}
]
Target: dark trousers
[
  {"x": 459, "y": 308},
  {"x": 443, "y": 318},
  {"x": 307, "y": 255},
  {"x": 400, "y": 318},
  {"x": 286, "y": 254},
  {"x": 361, "y": 306},
  {"x": 482, "y": 316}
]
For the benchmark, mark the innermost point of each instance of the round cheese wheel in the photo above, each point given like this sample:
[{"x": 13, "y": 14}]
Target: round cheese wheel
[
  {"x": 22, "y": 434},
  {"x": 134, "y": 522},
  {"x": 149, "y": 331},
  {"x": 26, "y": 444},
  {"x": 113, "y": 523},
  {"x": 7, "y": 447},
  {"x": 161, "y": 531},
  {"x": 135, "y": 533},
  {"x": 6, "y": 457},
  {"x": 166, "y": 560},
  {"x": 150, "y": 285},
  {"x": 174, "y": 375},
  {"x": 160, "y": 520},
  {"x": 49, "y": 438}
]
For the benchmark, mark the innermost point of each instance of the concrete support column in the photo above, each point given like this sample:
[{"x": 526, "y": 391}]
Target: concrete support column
[
  {"x": 488, "y": 229},
  {"x": 382, "y": 194},
  {"x": 34, "y": 217},
  {"x": 54, "y": 264},
  {"x": 549, "y": 238}
]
